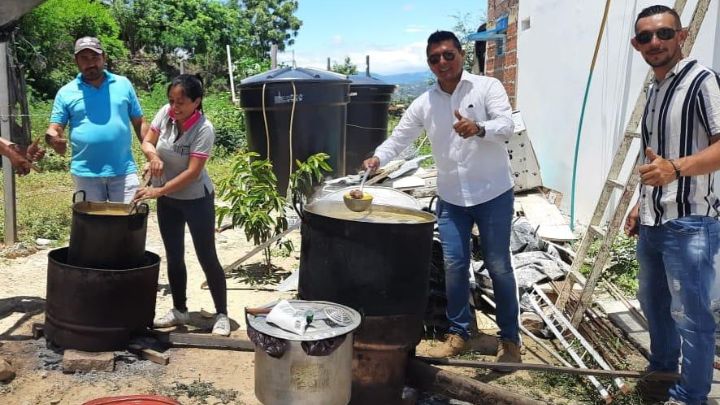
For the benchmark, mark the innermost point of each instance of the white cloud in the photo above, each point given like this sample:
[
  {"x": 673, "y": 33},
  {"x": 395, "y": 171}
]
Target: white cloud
[
  {"x": 408, "y": 7},
  {"x": 415, "y": 28},
  {"x": 402, "y": 59},
  {"x": 336, "y": 40}
]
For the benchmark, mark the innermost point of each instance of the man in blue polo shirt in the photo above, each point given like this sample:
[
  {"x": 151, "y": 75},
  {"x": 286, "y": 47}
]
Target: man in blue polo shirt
[{"x": 99, "y": 107}]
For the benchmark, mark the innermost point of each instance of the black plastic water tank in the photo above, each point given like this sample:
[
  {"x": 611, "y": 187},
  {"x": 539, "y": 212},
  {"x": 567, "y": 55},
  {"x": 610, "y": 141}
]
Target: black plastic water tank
[
  {"x": 367, "y": 119},
  {"x": 315, "y": 101}
]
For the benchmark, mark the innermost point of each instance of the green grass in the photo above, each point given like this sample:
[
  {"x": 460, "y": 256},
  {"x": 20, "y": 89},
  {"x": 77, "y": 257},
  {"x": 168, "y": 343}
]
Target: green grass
[{"x": 623, "y": 267}]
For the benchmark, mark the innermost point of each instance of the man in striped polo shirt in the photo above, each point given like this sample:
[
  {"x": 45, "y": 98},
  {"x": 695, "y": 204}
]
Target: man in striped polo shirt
[{"x": 676, "y": 215}]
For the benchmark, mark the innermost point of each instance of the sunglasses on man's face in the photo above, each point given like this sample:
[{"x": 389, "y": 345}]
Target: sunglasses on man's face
[
  {"x": 662, "y": 34},
  {"x": 434, "y": 59}
]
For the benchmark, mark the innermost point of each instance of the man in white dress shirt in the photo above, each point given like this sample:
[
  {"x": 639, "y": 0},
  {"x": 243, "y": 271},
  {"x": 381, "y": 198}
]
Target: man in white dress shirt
[{"x": 468, "y": 121}]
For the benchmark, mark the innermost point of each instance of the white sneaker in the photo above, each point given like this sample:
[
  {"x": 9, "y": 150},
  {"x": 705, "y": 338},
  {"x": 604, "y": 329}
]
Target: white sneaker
[
  {"x": 172, "y": 318},
  {"x": 222, "y": 325}
]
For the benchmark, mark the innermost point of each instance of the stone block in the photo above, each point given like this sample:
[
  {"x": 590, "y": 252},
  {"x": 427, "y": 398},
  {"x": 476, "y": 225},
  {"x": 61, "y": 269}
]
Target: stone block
[
  {"x": 7, "y": 371},
  {"x": 76, "y": 360}
]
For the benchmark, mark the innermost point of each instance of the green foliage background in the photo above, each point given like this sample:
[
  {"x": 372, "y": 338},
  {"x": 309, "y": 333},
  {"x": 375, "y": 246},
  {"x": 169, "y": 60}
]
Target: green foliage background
[{"x": 149, "y": 40}]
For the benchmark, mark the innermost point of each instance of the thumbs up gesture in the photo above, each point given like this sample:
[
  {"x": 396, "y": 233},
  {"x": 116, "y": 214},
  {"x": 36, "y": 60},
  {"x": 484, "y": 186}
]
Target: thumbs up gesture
[
  {"x": 657, "y": 171},
  {"x": 466, "y": 127}
]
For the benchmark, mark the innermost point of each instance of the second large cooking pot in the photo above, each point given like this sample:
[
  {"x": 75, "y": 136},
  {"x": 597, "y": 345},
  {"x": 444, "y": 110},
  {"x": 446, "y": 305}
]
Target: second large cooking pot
[
  {"x": 107, "y": 235},
  {"x": 376, "y": 261}
]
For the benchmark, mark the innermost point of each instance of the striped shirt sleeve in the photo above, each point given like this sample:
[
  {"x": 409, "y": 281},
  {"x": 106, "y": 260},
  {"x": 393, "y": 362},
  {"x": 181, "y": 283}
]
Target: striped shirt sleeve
[
  {"x": 201, "y": 146},
  {"x": 709, "y": 104},
  {"x": 160, "y": 119}
]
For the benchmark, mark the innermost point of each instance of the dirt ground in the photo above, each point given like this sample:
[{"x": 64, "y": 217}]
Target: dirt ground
[
  {"x": 193, "y": 375},
  {"x": 40, "y": 379}
]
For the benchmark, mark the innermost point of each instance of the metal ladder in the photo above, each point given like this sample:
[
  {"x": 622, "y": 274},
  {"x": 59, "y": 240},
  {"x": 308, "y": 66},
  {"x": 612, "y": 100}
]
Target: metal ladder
[
  {"x": 613, "y": 182},
  {"x": 579, "y": 349}
]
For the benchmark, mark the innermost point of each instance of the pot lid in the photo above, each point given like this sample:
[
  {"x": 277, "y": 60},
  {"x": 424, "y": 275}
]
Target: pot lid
[
  {"x": 381, "y": 195},
  {"x": 328, "y": 320},
  {"x": 288, "y": 74},
  {"x": 377, "y": 213}
]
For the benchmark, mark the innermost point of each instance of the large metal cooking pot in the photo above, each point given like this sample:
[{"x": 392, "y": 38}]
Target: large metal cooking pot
[
  {"x": 107, "y": 235},
  {"x": 309, "y": 369},
  {"x": 93, "y": 309},
  {"x": 376, "y": 261}
]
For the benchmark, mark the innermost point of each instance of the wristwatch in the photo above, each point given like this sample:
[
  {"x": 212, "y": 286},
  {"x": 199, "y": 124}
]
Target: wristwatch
[{"x": 481, "y": 129}]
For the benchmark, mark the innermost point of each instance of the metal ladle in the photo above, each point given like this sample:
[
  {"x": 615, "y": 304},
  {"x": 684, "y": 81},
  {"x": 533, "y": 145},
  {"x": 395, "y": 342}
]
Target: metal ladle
[{"x": 359, "y": 204}]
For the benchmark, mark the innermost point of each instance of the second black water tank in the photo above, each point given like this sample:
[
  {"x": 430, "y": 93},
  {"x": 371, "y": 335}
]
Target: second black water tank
[
  {"x": 367, "y": 119},
  {"x": 313, "y": 101}
]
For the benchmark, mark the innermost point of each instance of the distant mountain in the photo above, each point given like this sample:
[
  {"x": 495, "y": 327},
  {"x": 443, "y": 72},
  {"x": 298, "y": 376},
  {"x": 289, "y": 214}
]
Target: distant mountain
[
  {"x": 409, "y": 85},
  {"x": 405, "y": 78}
]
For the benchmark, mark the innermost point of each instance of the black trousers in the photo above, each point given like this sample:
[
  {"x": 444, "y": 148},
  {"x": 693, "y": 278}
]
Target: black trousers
[{"x": 199, "y": 215}]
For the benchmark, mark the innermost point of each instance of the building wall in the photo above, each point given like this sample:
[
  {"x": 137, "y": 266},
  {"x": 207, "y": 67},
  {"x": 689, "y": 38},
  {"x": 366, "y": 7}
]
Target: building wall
[
  {"x": 554, "y": 42},
  {"x": 503, "y": 66}
]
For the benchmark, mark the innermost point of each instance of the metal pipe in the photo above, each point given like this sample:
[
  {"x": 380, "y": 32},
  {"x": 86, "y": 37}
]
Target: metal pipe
[
  {"x": 8, "y": 172},
  {"x": 550, "y": 368}
]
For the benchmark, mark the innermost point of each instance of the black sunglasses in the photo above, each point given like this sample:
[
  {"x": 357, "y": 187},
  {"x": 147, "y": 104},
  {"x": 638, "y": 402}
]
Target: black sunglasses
[
  {"x": 434, "y": 59},
  {"x": 662, "y": 34}
]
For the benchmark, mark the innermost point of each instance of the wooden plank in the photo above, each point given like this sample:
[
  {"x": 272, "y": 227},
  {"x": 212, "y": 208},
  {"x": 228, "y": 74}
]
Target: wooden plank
[
  {"x": 384, "y": 172},
  {"x": 149, "y": 354},
  {"x": 546, "y": 216},
  {"x": 433, "y": 379},
  {"x": 206, "y": 341},
  {"x": 227, "y": 269}
]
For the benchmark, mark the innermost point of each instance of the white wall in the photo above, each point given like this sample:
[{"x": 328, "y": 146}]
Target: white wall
[{"x": 554, "y": 57}]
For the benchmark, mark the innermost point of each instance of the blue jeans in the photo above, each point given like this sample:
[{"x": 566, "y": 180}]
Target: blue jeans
[
  {"x": 677, "y": 272},
  {"x": 494, "y": 220},
  {"x": 114, "y": 189}
]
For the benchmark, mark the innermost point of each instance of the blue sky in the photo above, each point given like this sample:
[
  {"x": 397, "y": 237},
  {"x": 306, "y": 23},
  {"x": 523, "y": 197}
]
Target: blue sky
[{"x": 392, "y": 32}]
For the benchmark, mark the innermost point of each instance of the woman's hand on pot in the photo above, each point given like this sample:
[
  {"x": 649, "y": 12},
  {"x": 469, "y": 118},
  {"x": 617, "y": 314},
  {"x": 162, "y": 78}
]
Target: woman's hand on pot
[{"x": 147, "y": 193}]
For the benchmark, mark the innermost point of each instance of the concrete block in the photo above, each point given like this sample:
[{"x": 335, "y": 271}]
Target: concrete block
[{"x": 76, "y": 360}]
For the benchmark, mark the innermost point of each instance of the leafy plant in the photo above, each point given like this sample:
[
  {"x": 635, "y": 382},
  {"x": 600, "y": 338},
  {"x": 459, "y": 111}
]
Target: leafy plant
[
  {"x": 623, "y": 268},
  {"x": 254, "y": 202},
  {"x": 346, "y": 68},
  {"x": 142, "y": 70},
  {"x": 466, "y": 24},
  {"x": 47, "y": 35},
  {"x": 249, "y": 66},
  {"x": 228, "y": 121},
  {"x": 308, "y": 173}
]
